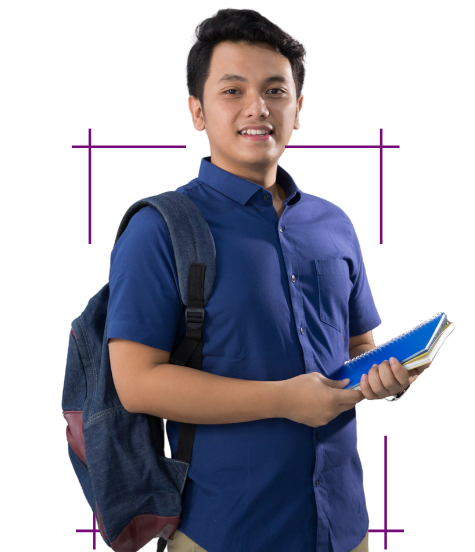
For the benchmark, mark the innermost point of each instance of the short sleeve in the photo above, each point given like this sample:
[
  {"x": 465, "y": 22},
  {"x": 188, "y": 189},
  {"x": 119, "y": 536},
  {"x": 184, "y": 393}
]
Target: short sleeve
[
  {"x": 144, "y": 300},
  {"x": 363, "y": 315}
]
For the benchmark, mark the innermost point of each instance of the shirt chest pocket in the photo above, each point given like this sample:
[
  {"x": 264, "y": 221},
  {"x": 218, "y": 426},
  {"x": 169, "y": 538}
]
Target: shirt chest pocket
[{"x": 334, "y": 288}]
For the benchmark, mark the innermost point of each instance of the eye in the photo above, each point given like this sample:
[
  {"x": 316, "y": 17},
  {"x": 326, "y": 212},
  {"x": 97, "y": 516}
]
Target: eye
[{"x": 283, "y": 91}]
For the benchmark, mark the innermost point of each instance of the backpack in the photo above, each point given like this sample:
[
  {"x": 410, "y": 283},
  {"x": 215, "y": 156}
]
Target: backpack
[{"x": 134, "y": 490}]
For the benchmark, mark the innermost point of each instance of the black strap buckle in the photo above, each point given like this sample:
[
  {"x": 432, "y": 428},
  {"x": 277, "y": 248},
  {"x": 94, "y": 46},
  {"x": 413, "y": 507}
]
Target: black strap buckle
[{"x": 194, "y": 317}]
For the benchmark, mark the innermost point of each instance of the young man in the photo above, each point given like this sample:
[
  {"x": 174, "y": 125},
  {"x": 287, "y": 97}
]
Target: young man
[{"x": 275, "y": 465}]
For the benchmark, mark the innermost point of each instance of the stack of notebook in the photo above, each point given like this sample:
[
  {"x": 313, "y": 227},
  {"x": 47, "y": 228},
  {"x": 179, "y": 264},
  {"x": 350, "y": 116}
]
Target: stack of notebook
[{"x": 414, "y": 348}]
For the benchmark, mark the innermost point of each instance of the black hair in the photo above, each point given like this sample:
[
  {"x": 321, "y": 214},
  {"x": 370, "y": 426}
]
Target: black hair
[{"x": 239, "y": 25}]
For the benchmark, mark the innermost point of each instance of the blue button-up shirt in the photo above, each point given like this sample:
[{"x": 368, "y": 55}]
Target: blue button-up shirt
[{"x": 288, "y": 294}]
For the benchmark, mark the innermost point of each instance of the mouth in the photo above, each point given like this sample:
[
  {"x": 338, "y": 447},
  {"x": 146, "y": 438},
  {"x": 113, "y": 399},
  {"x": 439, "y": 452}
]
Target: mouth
[{"x": 257, "y": 137}]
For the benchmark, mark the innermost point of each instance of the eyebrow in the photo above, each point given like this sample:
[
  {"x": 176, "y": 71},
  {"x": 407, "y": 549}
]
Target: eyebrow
[{"x": 274, "y": 78}]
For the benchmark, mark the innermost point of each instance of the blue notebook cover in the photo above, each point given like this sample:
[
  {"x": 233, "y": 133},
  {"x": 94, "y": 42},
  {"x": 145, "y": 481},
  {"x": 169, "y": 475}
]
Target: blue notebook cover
[{"x": 403, "y": 347}]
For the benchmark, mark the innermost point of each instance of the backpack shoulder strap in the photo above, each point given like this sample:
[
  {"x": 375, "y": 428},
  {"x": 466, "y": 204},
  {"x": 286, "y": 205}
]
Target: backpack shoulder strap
[
  {"x": 195, "y": 257},
  {"x": 191, "y": 236}
]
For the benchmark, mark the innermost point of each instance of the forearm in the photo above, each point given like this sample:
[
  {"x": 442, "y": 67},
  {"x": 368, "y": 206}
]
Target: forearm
[
  {"x": 360, "y": 349},
  {"x": 192, "y": 396}
]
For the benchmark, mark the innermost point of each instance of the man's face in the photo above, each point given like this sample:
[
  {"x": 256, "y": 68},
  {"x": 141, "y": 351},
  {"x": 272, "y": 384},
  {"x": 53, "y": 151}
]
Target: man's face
[{"x": 248, "y": 85}]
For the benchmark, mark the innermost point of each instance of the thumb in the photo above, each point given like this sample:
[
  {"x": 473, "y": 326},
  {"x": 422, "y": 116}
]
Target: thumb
[{"x": 337, "y": 383}]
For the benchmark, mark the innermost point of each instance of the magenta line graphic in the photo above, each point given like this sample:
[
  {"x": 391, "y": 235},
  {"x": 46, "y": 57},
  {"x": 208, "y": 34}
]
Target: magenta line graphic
[
  {"x": 93, "y": 531},
  {"x": 380, "y": 146},
  {"x": 385, "y": 530}
]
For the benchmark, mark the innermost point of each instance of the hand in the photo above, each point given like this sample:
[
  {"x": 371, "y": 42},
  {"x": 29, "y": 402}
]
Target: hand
[
  {"x": 313, "y": 399},
  {"x": 389, "y": 378}
]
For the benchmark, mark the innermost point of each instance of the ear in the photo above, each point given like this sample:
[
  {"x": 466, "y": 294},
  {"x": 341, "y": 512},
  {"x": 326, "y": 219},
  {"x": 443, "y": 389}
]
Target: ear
[
  {"x": 194, "y": 106},
  {"x": 297, "y": 125}
]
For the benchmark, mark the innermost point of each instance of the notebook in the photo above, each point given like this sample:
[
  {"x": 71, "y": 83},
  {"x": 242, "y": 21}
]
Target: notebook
[{"x": 416, "y": 347}]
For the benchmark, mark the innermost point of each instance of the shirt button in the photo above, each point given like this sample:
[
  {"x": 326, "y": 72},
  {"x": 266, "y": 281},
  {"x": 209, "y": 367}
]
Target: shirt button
[
  {"x": 265, "y": 196},
  {"x": 316, "y": 482},
  {"x": 318, "y": 436},
  {"x": 301, "y": 330},
  {"x": 280, "y": 229},
  {"x": 293, "y": 278}
]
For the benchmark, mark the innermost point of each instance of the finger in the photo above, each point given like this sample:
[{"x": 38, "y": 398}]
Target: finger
[
  {"x": 366, "y": 389},
  {"x": 348, "y": 397},
  {"x": 389, "y": 382},
  {"x": 377, "y": 376},
  {"x": 413, "y": 378},
  {"x": 414, "y": 373},
  {"x": 400, "y": 373}
]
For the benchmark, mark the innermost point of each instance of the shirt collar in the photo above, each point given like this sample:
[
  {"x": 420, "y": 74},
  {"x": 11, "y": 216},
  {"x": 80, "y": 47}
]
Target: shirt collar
[{"x": 240, "y": 189}]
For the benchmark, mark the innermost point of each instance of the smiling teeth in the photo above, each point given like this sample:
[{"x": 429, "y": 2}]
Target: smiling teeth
[{"x": 255, "y": 132}]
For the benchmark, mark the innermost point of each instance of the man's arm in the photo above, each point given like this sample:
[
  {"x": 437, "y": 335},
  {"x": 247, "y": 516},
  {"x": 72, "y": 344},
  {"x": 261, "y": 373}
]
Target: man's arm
[
  {"x": 359, "y": 344},
  {"x": 360, "y": 349},
  {"x": 184, "y": 394}
]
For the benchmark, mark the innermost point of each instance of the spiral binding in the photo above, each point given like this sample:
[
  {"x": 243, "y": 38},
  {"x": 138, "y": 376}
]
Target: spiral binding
[{"x": 382, "y": 345}]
